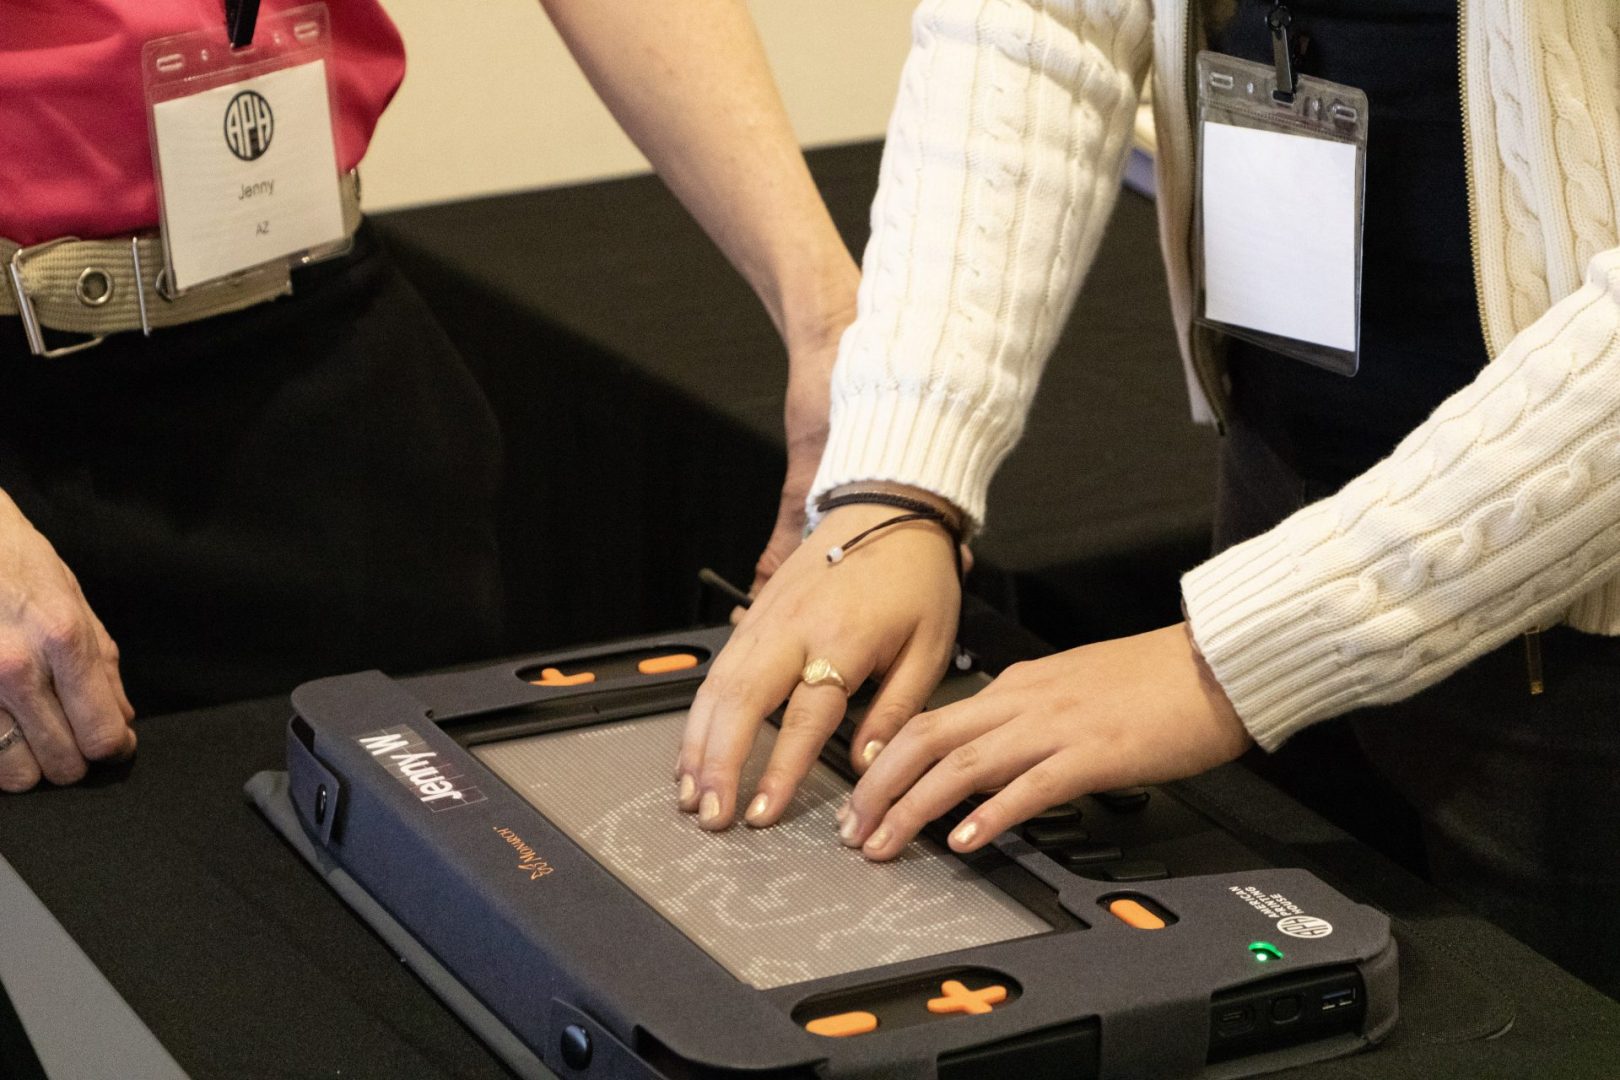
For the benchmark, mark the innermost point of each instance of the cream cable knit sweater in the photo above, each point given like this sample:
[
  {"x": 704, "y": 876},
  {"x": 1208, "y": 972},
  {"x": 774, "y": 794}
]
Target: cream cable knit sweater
[{"x": 1500, "y": 512}]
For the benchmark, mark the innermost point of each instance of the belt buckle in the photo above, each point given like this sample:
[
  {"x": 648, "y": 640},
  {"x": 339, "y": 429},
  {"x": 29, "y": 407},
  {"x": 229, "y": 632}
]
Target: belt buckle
[{"x": 25, "y": 304}]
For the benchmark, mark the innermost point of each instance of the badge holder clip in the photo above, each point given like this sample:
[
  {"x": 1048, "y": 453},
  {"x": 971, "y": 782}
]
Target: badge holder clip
[
  {"x": 241, "y": 118},
  {"x": 1280, "y": 21},
  {"x": 1278, "y": 222},
  {"x": 241, "y": 19}
]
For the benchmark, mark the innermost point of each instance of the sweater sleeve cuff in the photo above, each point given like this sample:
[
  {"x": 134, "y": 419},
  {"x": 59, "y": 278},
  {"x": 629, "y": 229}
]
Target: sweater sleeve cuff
[
  {"x": 948, "y": 445},
  {"x": 1264, "y": 642}
]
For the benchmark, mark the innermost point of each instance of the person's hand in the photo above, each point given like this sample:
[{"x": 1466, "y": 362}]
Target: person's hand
[
  {"x": 1135, "y": 710},
  {"x": 889, "y": 609},
  {"x": 59, "y": 680},
  {"x": 805, "y": 417}
]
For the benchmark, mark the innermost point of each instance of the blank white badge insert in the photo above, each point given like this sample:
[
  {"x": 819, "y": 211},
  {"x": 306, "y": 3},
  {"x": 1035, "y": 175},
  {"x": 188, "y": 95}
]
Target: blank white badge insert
[{"x": 1280, "y": 234}]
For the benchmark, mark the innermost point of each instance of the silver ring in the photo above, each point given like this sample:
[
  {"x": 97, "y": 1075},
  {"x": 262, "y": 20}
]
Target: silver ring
[
  {"x": 820, "y": 672},
  {"x": 12, "y": 736}
]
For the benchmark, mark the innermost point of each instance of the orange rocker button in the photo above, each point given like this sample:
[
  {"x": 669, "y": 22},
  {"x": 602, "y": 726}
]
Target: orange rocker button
[
  {"x": 1134, "y": 914},
  {"x": 959, "y": 999},
  {"x": 843, "y": 1025}
]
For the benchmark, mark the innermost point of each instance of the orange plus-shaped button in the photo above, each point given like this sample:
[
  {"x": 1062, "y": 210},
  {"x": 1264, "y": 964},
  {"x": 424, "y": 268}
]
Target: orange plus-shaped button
[{"x": 959, "y": 999}]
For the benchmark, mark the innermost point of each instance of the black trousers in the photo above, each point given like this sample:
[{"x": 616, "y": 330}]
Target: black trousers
[
  {"x": 304, "y": 488},
  {"x": 1510, "y": 802}
]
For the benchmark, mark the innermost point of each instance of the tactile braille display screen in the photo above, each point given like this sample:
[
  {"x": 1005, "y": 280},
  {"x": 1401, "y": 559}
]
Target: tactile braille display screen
[{"x": 774, "y": 906}]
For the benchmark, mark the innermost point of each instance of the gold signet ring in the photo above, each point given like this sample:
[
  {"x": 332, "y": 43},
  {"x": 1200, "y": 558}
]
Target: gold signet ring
[{"x": 820, "y": 672}]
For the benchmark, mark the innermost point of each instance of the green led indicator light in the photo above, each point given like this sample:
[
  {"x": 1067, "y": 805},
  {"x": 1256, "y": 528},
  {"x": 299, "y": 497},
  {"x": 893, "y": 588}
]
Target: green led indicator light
[{"x": 1265, "y": 951}]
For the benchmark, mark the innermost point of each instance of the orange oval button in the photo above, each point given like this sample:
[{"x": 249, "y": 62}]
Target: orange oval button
[
  {"x": 663, "y": 665},
  {"x": 1134, "y": 914},
  {"x": 843, "y": 1025}
]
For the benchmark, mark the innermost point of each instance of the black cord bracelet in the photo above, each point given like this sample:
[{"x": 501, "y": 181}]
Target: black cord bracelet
[{"x": 915, "y": 510}]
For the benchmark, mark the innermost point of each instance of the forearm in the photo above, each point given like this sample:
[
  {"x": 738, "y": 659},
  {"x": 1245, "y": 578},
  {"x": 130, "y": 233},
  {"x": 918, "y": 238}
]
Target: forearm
[
  {"x": 1001, "y": 168},
  {"x": 689, "y": 82},
  {"x": 1491, "y": 517}
]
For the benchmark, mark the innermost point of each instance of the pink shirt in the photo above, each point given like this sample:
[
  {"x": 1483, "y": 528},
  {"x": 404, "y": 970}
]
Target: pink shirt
[{"x": 74, "y": 154}]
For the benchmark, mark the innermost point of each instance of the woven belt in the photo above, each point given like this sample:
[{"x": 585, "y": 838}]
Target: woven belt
[{"x": 101, "y": 287}]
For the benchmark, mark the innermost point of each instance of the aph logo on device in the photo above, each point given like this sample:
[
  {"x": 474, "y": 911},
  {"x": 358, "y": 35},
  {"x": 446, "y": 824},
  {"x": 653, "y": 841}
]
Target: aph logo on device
[
  {"x": 1305, "y": 926},
  {"x": 404, "y": 754},
  {"x": 249, "y": 125}
]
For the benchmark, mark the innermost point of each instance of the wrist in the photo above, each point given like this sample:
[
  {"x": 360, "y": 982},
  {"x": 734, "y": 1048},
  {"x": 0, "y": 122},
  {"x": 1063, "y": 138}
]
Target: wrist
[
  {"x": 812, "y": 300},
  {"x": 933, "y": 510},
  {"x": 954, "y": 519},
  {"x": 846, "y": 530},
  {"x": 1214, "y": 694}
]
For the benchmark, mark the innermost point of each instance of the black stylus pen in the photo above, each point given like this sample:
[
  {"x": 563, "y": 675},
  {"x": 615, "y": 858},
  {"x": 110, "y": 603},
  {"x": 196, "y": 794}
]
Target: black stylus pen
[{"x": 715, "y": 581}]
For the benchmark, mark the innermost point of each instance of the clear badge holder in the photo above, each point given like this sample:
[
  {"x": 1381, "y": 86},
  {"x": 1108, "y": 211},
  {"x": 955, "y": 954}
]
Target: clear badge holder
[
  {"x": 243, "y": 151},
  {"x": 1285, "y": 286}
]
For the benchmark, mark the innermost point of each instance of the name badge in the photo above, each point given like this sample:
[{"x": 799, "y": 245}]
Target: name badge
[
  {"x": 242, "y": 147},
  {"x": 1278, "y": 211}
]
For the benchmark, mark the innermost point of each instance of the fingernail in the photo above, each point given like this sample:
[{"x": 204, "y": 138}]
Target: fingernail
[
  {"x": 852, "y": 825},
  {"x": 880, "y": 839},
  {"x": 757, "y": 808},
  {"x": 871, "y": 750},
  {"x": 709, "y": 808},
  {"x": 843, "y": 811},
  {"x": 965, "y": 833},
  {"x": 688, "y": 791}
]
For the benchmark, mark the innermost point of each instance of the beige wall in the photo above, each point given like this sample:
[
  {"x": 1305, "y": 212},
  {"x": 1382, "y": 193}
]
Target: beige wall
[{"x": 492, "y": 102}]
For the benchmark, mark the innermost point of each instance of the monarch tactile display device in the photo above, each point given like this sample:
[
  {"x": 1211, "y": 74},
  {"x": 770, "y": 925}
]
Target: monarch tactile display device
[{"x": 512, "y": 832}]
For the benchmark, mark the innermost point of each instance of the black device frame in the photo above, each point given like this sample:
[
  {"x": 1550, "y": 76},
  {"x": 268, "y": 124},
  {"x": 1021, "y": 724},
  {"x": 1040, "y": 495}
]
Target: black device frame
[{"x": 594, "y": 981}]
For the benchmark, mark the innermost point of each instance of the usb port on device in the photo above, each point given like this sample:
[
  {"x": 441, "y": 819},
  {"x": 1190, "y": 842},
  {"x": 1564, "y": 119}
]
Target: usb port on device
[{"x": 1336, "y": 999}]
